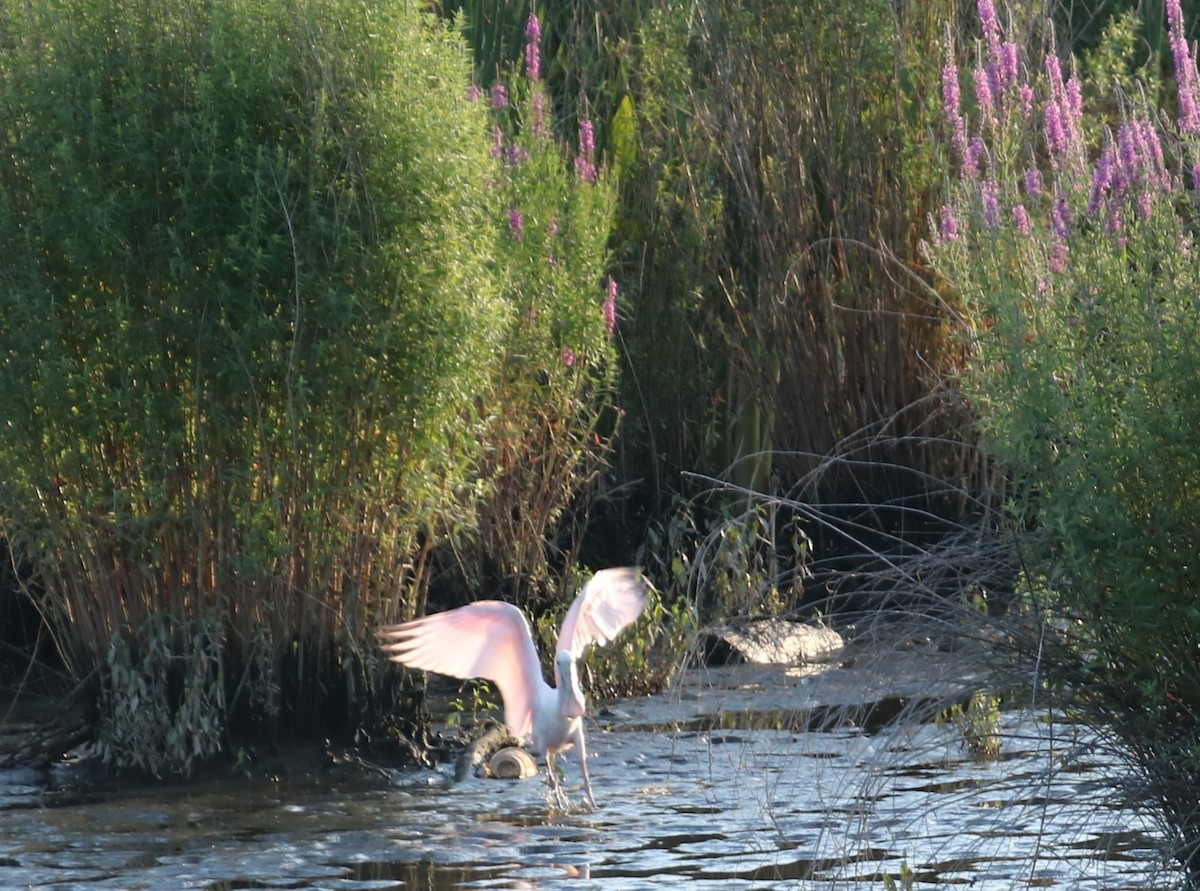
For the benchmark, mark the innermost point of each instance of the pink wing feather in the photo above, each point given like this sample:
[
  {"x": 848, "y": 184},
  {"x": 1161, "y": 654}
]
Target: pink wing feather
[
  {"x": 486, "y": 639},
  {"x": 610, "y": 600}
]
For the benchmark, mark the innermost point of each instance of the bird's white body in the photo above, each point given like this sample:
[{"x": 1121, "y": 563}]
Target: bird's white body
[{"x": 492, "y": 639}]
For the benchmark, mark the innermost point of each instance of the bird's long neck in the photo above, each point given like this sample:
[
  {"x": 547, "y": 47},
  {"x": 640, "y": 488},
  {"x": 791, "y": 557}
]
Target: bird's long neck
[{"x": 566, "y": 679}]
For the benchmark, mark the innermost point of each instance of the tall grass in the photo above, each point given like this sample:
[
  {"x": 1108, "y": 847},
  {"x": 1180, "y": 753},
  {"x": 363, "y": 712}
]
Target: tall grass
[{"x": 775, "y": 212}]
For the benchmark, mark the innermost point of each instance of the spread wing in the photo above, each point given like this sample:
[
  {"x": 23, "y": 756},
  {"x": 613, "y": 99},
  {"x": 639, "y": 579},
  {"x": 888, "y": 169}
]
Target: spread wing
[
  {"x": 486, "y": 639},
  {"x": 610, "y": 600}
]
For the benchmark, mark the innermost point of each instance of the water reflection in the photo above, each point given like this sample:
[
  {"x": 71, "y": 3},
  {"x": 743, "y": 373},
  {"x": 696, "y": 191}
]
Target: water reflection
[{"x": 729, "y": 807}]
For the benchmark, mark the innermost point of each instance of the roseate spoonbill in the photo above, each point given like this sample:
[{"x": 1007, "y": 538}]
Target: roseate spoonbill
[{"x": 492, "y": 639}]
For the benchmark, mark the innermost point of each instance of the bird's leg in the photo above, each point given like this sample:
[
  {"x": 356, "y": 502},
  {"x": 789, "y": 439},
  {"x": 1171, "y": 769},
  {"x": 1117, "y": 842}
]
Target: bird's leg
[{"x": 556, "y": 789}]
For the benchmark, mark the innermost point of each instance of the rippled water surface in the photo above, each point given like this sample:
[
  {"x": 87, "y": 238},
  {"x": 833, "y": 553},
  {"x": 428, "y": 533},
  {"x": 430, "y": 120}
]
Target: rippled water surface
[{"x": 715, "y": 809}]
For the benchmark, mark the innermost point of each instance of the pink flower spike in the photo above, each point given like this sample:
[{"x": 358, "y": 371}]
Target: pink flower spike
[
  {"x": 610, "y": 308},
  {"x": 538, "y": 125},
  {"x": 1009, "y": 65},
  {"x": 1021, "y": 217},
  {"x": 1026, "y": 100},
  {"x": 991, "y": 209},
  {"x": 499, "y": 96},
  {"x": 568, "y": 357},
  {"x": 533, "y": 48},
  {"x": 585, "y": 161},
  {"x": 983, "y": 95},
  {"x": 1033, "y": 182},
  {"x": 1056, "y": 133},
  {"x": 949, "y": 226}
]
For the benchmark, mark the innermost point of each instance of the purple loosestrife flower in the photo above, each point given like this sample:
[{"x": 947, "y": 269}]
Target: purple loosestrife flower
[
  {"x": 1021, "y": 218},
  {"x": 499, "y": 96},
  {"x": 538, "y": 124},
  {"x": 991, "y": 29},
  {"x": 1026, "y": 100},
  {"x": 952, "y": 108},
  {"x": 991, "y": 210},
  {"x": 1056, "y": 134},
  {"x": 497, "y": 143},
  {"x": 610, "y": 308},
  {"x": 1009, "y": 66},
  {"x": 951, "y": 100},
  {"x": 533, "y": 48},
  {"x": 949, "y": 227},
  {"x": 1196, "y": 179},
  {"x": 474, "y": 93},
  {"x": 568, "y": 357},
  {"x": 1058, "y": 256},
  {"x": 1074, "y": 101},
  {"x": 1033, "y": 182},
  {"x": 1054, "y": 72},
  {"x": 1144, "y": 204},
  {"x": 1102, "y": 181},
  {"x": 1116, "y": 225},
  {"x": 1062, "y": 115},
  {"x": 983, "y": 95},
  {"x": 1130, "y": 158},
  {"x": 516, "y": 223},
  {"x": 977, "y": 153},
  {"x": 1148, "y": 137},
  {"x": 585, "y": 161},
  {"x": 1060, "y": 217},
  {"x": 1186, "y": 77}
]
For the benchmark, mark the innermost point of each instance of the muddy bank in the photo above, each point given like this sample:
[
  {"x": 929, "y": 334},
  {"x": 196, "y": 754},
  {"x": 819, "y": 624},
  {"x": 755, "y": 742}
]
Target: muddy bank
[{"x": 871, "y": 680}]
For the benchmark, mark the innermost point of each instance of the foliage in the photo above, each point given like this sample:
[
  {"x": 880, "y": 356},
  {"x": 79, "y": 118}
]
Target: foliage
[
  {"x": 1079, "y": 259},
  {"x": 550, "y": 415},
  {"x": 641, "y": 660},
  {"x": 729, "y": 562},
  {"x": 907, "y": 879},
  {"x": 978, "y": 724},
  {"x": 265, "y": 313}
]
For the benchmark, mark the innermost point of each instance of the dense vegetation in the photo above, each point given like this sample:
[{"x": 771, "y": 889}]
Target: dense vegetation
[
  {"x": 271, "y": 331},
  {"x": 300, "y": 332}
]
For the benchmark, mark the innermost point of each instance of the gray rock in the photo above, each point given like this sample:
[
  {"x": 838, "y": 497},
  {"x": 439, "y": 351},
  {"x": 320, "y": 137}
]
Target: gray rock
[{"x": 771, "y": 641}]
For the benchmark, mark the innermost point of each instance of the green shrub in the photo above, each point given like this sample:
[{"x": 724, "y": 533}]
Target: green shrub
[
  {"x": 251, "y": 298},
  {"x": 1082, "y": 273}
]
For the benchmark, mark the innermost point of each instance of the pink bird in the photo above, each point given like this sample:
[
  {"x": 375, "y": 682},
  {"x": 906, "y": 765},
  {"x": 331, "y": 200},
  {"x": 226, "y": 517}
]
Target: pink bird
[{"x": 492, "y": 639}]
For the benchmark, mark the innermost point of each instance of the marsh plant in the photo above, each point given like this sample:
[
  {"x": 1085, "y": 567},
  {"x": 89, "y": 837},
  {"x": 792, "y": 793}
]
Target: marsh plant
[
  {"x": 1074, "y": 246},
  {"x": 279, "y": 316},
  {"x": 978, "y": 723},
  {"x": 551, "y": 416}
]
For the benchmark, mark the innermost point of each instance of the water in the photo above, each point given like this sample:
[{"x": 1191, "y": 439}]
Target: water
[{"x": 721, "y": 809}]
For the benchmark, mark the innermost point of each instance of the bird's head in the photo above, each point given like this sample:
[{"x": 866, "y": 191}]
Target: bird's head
[{"x": 566, "y": 678}]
